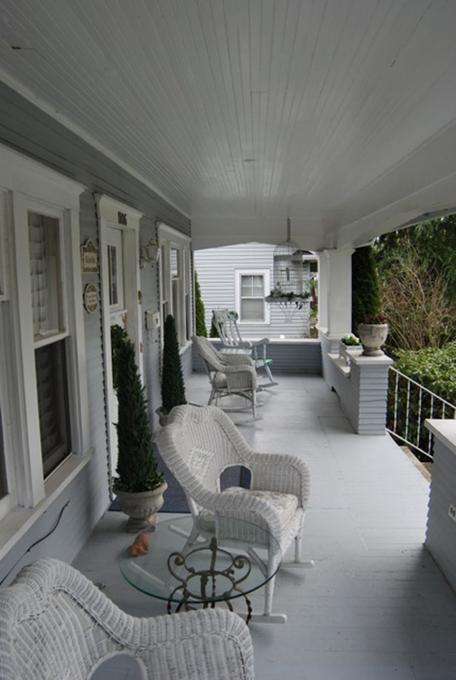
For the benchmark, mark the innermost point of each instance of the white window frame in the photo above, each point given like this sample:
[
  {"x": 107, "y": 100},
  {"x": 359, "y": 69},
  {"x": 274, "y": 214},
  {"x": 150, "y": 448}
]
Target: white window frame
[
  {"x": 266, "y": 274},
  {"x": 169, "y": 238},
  {"x": 27, "y": 186}
]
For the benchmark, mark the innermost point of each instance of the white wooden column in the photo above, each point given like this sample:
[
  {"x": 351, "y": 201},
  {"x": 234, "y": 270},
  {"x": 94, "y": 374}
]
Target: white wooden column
[{"x": 335, "y": 292}]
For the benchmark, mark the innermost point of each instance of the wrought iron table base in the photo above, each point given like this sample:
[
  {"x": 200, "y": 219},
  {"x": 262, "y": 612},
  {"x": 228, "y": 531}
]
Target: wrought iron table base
[{"x": 206, "y": 579}]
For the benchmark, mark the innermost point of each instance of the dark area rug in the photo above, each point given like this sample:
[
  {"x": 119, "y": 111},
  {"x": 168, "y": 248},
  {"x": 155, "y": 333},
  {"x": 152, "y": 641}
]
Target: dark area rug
[{"x": 175, "y": 500}]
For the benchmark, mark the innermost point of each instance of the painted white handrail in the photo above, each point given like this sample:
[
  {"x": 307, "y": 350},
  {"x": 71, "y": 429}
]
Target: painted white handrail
[{"x": 406, "y": 422}]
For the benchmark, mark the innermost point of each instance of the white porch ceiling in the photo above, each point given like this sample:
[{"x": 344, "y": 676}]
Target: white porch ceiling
[{"x": 338, "y": 113}]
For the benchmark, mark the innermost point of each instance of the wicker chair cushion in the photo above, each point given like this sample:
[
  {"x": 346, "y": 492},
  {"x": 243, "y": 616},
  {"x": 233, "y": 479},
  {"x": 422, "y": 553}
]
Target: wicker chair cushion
[
  {"x": 286, "y": 504},
  {"x": 220, "y": 380}
]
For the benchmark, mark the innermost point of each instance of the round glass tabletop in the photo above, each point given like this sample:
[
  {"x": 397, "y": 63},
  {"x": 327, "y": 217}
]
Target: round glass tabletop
[{"x": 212, "y": 562}]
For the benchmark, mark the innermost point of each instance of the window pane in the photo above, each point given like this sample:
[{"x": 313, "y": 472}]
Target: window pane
[
  {"x": 45, "y": 272},
  {"x": 177, "y": 308},
  {"x": 174, "y": 255},
  {"x": 113, "y": 276},
  {"x": 258, "y": 287},
  {"x": 246, "y": 285},
  {"x": 252, "y": 310},
  {"x": 52, "y": 385}
]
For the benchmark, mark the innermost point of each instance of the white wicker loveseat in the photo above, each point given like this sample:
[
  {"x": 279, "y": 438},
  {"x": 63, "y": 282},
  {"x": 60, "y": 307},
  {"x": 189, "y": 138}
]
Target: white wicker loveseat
[
  {"x": 198, "y": 444},
  {"x": 56, "y": 625}
]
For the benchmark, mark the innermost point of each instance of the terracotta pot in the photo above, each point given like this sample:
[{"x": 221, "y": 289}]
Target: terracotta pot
[
  {"x": 373, "y": 336},
  {"x": 141, "y": 507}
]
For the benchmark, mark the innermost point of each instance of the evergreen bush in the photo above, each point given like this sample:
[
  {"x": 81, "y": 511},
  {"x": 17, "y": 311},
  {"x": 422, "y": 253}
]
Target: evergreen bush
[
  {"x": 214, "y": 331},
  {"x": 136, "y": 467},
  {"x": 172, "y": 386},
  {"x": 365, "y": 286},
  {"x": 199, "y": 311}
]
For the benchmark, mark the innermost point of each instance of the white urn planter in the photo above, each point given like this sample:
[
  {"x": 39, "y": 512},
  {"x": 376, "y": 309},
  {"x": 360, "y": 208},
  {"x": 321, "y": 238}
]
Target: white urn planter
[
  {"x": 141, "y": 507},
  {"x": 373, "y": 337}
]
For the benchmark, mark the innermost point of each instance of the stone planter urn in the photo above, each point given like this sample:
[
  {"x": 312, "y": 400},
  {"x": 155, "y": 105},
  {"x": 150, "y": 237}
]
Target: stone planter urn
[
  {"x": 141, "y": 507},
  {"x": 373, "y": 337}
]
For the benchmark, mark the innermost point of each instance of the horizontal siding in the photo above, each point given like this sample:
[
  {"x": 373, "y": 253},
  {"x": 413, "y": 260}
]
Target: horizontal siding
[
  {"x": 32, "y": 132},
  {"x": 216, "y": 269},
  {"x": 441, "y": 529},
  {"x": 292, "y": 358}
]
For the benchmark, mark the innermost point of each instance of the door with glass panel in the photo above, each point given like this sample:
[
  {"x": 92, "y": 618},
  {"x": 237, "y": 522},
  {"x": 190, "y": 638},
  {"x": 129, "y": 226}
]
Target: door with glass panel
[{"x": 114, "y": 287}]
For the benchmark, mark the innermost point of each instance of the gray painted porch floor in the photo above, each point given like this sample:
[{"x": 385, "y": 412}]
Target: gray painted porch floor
[{"x": 375, "y": 606}]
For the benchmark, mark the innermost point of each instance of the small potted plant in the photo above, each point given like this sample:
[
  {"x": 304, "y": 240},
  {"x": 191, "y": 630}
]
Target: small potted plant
[
  {"x": 172, "y": 381},
  {"x": 373, "y": 333},
  {"x": 349, "y": 345},
  {"x": 139, "y": 485}
]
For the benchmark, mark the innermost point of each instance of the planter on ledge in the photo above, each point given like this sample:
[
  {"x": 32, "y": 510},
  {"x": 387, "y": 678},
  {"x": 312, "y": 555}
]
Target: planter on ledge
[{"x": 373, "y": 337}]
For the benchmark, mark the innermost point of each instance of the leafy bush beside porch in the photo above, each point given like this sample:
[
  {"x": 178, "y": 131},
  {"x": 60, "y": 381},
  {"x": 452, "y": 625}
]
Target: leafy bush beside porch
[{"x": 435, "y": 369}]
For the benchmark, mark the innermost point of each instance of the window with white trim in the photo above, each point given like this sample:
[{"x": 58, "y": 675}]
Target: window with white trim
[
  {"x": 252, "y": 286},
  {"x": 176, "y": 281},
  {"x": 43, "y": 382}
]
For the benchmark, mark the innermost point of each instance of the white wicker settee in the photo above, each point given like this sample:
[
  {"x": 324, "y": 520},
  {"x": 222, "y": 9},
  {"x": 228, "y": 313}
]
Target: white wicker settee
[
  {"x": 56, "y": 625},
  {"x": 198, "y": 444}
]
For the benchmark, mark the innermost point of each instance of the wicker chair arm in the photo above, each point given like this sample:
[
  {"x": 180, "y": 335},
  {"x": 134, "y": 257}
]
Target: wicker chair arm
[
  {"x": 238, "y": 359},
  {"x": 240, "y": 377},
  {"x": 251, "y": 509},
  {"x": 277, "y": 472}
]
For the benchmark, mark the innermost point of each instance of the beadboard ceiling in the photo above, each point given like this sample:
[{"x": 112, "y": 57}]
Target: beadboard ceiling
[{"x": 338, "y": 113}]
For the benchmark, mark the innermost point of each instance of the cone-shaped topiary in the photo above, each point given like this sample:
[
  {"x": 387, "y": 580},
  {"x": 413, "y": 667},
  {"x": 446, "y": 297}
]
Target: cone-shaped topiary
[
  {"x": 172, "y": 387},
  {"x": 214, "y": 330},
  {"x": 136, "y": 467},
  {"x": 365, "y": 286},
  {"x": 199, "y": 310}
]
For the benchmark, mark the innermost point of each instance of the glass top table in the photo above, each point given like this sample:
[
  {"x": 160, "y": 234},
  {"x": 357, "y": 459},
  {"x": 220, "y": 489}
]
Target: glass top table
[{"x": 191, "y": 565}]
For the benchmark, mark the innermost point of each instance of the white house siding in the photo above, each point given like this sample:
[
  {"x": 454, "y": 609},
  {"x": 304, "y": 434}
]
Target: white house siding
[
  {"x": 216, "y": 269},
  {"x": 32, "y": 132}
]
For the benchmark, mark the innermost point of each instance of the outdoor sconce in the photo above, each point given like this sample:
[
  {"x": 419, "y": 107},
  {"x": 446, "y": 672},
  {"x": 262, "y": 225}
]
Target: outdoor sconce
[{"x": 148, "y": 253}]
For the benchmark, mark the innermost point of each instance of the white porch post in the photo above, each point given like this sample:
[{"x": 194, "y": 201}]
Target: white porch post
[
  {"x": 334, "y": 298},
  {"x": 362, "y": 388}
]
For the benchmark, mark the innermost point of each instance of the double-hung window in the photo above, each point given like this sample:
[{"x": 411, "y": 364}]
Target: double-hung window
[
  {"x": 43, "y": 383},
  {"x": 252, "y": 286},
  {"x": 176, "y": 281}
]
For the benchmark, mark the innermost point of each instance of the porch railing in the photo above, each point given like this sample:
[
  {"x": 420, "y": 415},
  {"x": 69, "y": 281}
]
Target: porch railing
[{"x": 409, "y": 405}]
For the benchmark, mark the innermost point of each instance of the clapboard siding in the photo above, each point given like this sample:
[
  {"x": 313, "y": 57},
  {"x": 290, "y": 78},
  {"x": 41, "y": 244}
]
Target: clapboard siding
[
  {"x": 441, "y": 529},
  {"x": 216, "y": 269},
  {"x": 298, "y": 358},
  {"x": 33, "y": 133}
]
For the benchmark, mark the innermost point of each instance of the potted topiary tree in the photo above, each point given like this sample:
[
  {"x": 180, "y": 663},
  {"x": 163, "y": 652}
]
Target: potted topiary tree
[
  {"x": 200, "y": 323},
  {"x": 139, "y": 485},
  {"x": 172, "y": 383},
  {"x": 373, "y": 333}
]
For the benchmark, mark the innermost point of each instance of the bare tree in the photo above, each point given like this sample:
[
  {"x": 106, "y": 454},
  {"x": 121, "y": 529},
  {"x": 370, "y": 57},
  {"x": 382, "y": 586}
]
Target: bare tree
[{"x": 416, "y": 303}]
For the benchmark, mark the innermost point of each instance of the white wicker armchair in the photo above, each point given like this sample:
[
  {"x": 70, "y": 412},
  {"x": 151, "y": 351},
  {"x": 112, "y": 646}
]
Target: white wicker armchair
[
  {"x": 198, "y": 444},
  {"x": 56, "y": 625},
  {"x": 229, "y": 374}
]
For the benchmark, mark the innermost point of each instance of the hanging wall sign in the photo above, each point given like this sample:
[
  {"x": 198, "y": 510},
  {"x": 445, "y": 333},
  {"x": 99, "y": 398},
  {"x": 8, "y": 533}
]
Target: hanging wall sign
[
  {"x": 89, "y": 257},
  {"x": 90, "y": 297}
]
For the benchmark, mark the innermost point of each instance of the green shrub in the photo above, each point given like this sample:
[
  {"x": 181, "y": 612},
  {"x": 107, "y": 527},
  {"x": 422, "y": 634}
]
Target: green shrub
[
  {"x": 199, "y": 310},
  {"x": 365, "y": 286},
  {"x": 433, "y": 368},
  {"x": 172, "y": 386}
]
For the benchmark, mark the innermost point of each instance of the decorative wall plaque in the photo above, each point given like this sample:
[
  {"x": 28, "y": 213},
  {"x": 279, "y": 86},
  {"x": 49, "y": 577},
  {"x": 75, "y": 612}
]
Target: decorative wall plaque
[
  {"x": 90, "y": 297},
  {"x": 89, "y": 257}
]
